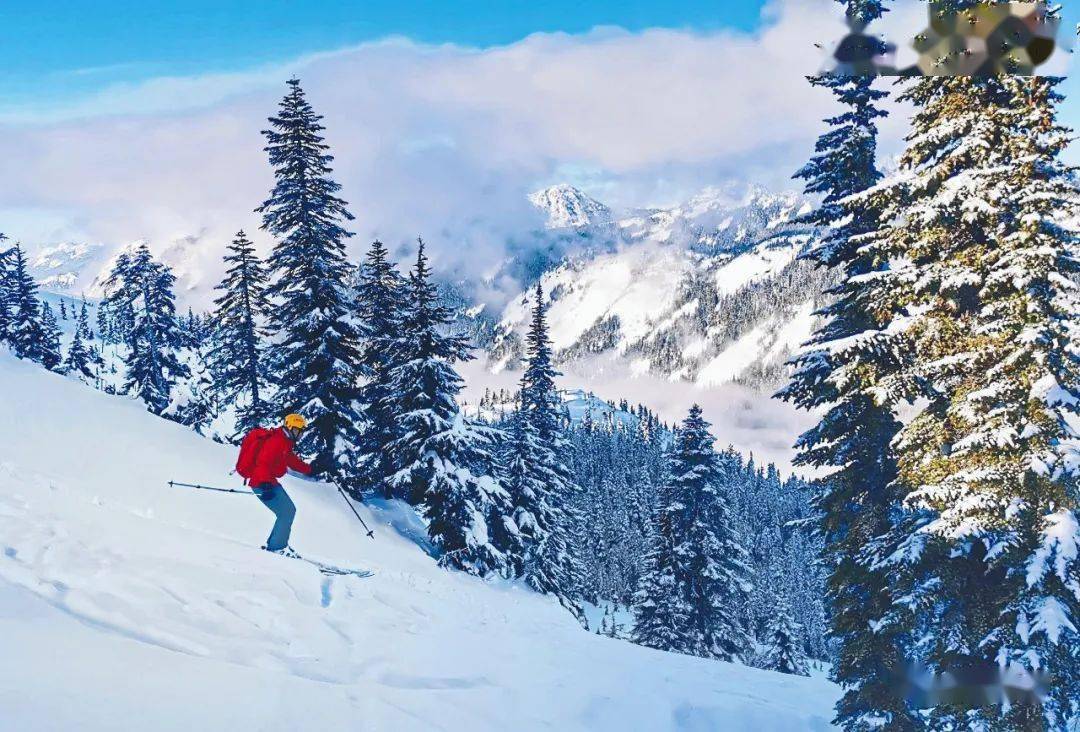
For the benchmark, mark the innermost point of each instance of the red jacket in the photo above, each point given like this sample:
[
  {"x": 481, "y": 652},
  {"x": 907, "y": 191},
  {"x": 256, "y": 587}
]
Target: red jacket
[{"x": 275, "y": 456}]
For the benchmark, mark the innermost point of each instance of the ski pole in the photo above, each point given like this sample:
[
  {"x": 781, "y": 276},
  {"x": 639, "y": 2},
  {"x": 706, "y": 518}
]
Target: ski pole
[
  {"x": 173, "y": 484},
  {"x": 370, "y": 533}
]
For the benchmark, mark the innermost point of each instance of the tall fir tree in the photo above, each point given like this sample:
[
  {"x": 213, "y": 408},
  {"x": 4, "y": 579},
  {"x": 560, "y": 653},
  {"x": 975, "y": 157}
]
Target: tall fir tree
[
  {"x": 443, "y": 463},
  {"x": 141, "y": 297},
  {"x": 50, "y": 341},
  {"x": 839, "y": 371},
  {"x": 986, "y": 560},
  {"x": 118, "y": 306},
  {"x": 697, "y": 560},
  {"x": 80, "y": 359},
  {"x": 661, "y": 615},
  {"x": 239, "y": 353},
  {"x": 783, "y": 650},
  {"x": 783, "y": 653},
  {"x": 542, "y": 488},
  {"x": 379, "y": 292},
  {"x": 26, "y": 333},
  {"x": 316, "y": 355}
]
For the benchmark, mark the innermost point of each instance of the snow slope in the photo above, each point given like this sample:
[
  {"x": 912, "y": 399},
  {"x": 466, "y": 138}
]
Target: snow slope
[{"x": 129, "y": 605}]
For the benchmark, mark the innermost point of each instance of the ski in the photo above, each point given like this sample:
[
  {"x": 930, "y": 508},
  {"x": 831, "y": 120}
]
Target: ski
[
  {"x": 327, "y": 569},
  {"x": 332, "y": 571}
]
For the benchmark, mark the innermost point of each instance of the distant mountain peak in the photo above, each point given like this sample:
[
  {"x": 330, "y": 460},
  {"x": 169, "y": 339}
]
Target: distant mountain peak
[{"x": 569, "y": 207}]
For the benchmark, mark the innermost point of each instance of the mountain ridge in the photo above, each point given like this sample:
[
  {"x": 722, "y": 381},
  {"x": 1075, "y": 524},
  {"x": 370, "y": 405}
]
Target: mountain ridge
[{"x": 709, "y": 291}]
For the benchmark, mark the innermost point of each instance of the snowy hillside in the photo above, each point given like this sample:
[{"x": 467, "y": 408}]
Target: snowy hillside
[
  {"x": 709, "y": 292},
  {"x": 129, "y": 605}
]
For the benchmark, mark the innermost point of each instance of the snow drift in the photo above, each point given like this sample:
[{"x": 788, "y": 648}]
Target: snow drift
[{"x": 129, "y": 605}]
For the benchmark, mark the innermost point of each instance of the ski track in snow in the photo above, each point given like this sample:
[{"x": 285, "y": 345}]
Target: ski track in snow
[{"x": 145, "y": 607}]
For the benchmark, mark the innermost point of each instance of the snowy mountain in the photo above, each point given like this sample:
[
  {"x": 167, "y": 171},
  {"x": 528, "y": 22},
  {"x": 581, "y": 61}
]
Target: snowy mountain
[
  {"x": 69, "y": 267},
  {"x": 711, "y": 291},
  {"x": 568, "y": 207},
  {"x": 126, "y": 604},
  {"x": 80, "y": 268}
]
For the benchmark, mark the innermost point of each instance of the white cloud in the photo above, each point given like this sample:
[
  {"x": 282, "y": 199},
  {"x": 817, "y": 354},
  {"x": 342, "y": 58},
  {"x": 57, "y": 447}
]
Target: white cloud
[{"x": 442, "y": 141}]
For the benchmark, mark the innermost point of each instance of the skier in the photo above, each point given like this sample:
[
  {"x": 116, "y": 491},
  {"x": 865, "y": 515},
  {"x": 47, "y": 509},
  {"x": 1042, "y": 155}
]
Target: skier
[{"x": 265, "y": 456}]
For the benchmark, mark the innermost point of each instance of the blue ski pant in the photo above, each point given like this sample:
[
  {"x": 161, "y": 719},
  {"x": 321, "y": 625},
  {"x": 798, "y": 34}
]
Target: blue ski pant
[{"x": 277, "y": 500}]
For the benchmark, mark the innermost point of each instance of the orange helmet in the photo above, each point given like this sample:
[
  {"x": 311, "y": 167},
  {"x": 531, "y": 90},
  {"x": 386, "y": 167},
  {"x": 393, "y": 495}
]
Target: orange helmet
[{"x": 295, "y": 422}]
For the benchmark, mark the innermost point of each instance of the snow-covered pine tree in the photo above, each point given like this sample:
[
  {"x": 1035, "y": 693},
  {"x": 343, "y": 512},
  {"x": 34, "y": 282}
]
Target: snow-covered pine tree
[
  {"x": 26, "y": 334},
  {"x": 839, "y": 370},
  {"x": 63, "y": 310},
  {"x": 661, "y": 613},
  {"x": 316, "y": 356},
  {"x": 525, "y": 486},
  {"x": 103, "y": 320},
  {"x": 239, "y": 352},
  {"x": 80, "y": 358},
  {"x": 50, "y": 341},
  {"x": 540, "y": 481},
  {"x": 379, "y": 291},
  {"x": 443, "y": 463},
  {"x": 146, "y": 291},
  {"x": 783, "y": 652},
  {"x": 696, "y": 558},
  {"x": 718, "y": 578},
  {"x": 118, "y": 306},
  {"x": 88, "y": 331},
  {"x": 190, "y": 330},
  {"x": 988, "y": 274},
  {"x": 539, "y": 395}
]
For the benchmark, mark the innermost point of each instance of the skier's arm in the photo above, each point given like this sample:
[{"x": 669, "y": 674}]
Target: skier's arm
[{"x": 295, "y": 463}]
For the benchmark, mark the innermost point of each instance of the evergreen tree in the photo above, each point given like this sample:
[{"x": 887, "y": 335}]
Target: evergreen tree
[
  {"x": 63, "y": 310},
  {"x": 80, "y": 358},
  {"x": 696, "y": 574},
  {"x": 238, "y": 356},
  {"x": 840, "y": 371},
  {"x": 661, "y": 613},
  {"x": 539, "y": 480},
  {"x": 104, "y": 327},
  {"x": 141, "y": 296},
  {"x": 26, "y": 333},
  {"x": 783, "y": 639},
  {"x": 50, "y": 342},
  {"x": 783, "y": 653},
  {"x": 539, "y": 395},
  {"x": 525, "y": 486},
  {"x": 443, "y": 462},
  {"x": 317, "y": 357},
  {"x": 117, "y": 309},
  {"x": 379, "y": 292},
  {"x": 986, "y": 559}
]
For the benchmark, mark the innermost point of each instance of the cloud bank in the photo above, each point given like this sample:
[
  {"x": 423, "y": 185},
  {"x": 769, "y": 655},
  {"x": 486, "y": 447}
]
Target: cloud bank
[{"x": 440, "y": 141}]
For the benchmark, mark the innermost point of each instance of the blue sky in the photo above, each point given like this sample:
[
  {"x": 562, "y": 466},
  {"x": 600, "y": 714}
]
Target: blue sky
[{"x": 89, "y": 43}]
